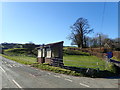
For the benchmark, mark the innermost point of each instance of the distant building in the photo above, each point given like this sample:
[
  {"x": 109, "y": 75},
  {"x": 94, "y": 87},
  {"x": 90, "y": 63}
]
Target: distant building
[{"x": 51, "y": 53}]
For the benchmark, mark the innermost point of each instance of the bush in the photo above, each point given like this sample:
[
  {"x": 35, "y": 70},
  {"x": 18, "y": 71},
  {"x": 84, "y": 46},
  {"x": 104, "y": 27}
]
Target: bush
[{"x": 110, "y": 67}]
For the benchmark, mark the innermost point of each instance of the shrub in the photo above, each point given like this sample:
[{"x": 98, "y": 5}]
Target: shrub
[{"x": 110, "y": 67}]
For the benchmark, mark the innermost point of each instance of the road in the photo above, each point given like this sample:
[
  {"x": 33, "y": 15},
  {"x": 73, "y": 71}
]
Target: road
[{"x": 15, "y": 75}]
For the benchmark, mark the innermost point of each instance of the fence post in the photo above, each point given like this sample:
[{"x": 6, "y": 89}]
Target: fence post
[
  {"x": 97, "y": 66},
  {"x": 87, "y": 70},
  {"x": 98, "y": 70},
  {"x": 107, "y": 62}
]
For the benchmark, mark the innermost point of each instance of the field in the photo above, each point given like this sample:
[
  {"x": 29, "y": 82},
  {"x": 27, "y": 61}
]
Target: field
[
  {"x": 84, "y": 61},
  {"x": 69, "y": 60},
  {"x": 22, "y": 59}
]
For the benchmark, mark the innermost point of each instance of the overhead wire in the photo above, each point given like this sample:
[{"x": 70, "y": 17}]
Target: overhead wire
[{"x": 103, "y": 13}]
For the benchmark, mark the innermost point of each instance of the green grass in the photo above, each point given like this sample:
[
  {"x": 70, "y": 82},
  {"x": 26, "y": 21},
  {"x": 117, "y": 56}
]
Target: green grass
[
  {"x": 22, "y": 59},
  {"x": 15, "y": 51},
  {"x": 20, "y": 52},
  {"x": 74, "y": 52},
  {"x": 57, "y": 69},
  {"x": 115, "y": 58},
  {"x": 84, "y": 61}
]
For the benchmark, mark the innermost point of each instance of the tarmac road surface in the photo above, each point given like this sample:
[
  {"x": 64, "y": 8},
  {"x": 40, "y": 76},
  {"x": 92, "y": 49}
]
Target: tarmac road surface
[{"x": 15, "y": 75}]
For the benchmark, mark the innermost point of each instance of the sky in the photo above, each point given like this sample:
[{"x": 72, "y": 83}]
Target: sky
[{"x": 48, "y": 22}]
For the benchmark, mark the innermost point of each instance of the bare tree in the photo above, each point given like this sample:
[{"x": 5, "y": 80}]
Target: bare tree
[
  {"x": 94, "y": 42},
  {"x": 79, "y": 31}
]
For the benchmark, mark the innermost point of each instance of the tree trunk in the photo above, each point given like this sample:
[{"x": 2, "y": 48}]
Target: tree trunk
[
  {"x": 78, "y": 45},
  {"x": 82, "y": 42}
]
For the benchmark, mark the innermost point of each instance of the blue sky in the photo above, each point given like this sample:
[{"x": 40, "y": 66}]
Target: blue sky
[{"x": 48, "y": 22}]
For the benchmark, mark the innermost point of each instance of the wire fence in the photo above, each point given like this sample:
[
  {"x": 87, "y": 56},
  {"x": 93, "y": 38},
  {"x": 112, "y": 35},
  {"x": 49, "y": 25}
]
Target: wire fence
[{"x": 95, "y": 65}]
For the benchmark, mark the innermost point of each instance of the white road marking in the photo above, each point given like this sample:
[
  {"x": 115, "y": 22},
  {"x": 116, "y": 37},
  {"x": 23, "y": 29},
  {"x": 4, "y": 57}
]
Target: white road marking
[
  {"x": 17, "y": 84},
  {"x": 14, "y": 65},
  {"x": 84, "y": 85},
  {"x": 65, "y": 76},
  {"x": 56, "y": 76},
  {"x": 2, "y": 69},
  {"x": 10, "y": 65},
  {"x": 68, "y": 79}
]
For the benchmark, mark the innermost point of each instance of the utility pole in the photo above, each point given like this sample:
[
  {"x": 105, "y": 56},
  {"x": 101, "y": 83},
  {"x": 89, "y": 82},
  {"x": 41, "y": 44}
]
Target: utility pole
[{"x": 100, "y": 41}]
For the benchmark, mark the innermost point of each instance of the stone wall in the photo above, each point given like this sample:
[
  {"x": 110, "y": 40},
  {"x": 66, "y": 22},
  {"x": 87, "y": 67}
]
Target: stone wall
[
  {"x": 40, "y": 59},
  {"x": 116, "y": 54},
  {"x": 48, "y": 60}
]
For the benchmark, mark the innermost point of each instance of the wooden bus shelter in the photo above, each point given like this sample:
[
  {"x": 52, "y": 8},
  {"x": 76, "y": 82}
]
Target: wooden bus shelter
[{"x": 51, "y": 53}]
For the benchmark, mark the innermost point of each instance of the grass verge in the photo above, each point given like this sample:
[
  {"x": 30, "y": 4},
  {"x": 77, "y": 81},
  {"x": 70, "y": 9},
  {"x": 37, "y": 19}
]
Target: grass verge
[
  {"x": 21, "y": 59},
  {"x": 57, "y": 69}
]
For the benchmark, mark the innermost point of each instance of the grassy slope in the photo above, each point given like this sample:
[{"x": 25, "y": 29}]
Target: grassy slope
[{"x": 22, "y": 59}]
